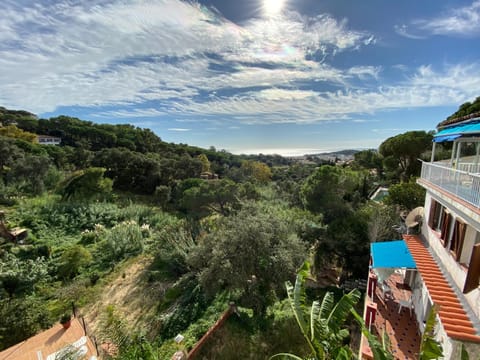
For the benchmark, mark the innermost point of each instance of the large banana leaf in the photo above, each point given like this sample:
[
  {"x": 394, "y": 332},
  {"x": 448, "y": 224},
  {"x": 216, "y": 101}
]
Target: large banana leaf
[{"x": 342, "y": 309}]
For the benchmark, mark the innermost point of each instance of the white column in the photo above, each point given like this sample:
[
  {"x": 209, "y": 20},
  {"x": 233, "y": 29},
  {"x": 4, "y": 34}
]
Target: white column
[{"x": 433, "y": 152}]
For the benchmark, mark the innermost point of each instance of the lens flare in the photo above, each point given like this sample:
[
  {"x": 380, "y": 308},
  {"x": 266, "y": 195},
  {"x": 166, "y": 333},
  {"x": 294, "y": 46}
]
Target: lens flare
[{"x": 273, "y": 7}]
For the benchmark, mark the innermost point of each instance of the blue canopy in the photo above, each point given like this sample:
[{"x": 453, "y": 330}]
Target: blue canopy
[
  {"x": 391, "y": 254},
  {"x": 446, "y": 138},
  {"x": 453, "y": 132}
]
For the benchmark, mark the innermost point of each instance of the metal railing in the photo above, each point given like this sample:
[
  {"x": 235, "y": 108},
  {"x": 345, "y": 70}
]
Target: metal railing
[{"x": 462, "y": 184}]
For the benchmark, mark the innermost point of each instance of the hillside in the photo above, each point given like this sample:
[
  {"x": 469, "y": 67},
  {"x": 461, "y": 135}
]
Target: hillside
[{"x": 148, "y": 243}]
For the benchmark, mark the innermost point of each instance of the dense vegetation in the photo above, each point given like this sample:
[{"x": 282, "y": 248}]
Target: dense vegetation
[
  {"x": 115, "y": 195},
  {"x": 464, "y": 110}
]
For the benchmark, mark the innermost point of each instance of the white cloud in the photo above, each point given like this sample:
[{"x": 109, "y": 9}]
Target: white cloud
[
  {"x": 151, "y": 112},
  {"x": 179, "y": 129},
  {"x": 463, "y": 21},
  {"x": 404, "y": 30},
  {"x": 427, "y": 88},
  {"x": 153, "y": 58},
  {"x": 99, "y": 52}
]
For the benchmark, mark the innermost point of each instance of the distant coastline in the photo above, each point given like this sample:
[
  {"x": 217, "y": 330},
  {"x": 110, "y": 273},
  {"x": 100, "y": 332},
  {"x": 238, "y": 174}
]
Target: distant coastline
[{"x": 296, "y": 152}]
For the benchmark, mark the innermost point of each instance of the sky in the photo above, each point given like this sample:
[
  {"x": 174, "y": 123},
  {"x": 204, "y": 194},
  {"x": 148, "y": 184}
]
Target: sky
[{"x": 249, "y": 76}]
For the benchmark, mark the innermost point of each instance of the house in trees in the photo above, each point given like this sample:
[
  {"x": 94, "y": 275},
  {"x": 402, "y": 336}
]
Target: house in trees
[
  {"x": 445, "y": 273},
  {"x": 48, "y": 140}
]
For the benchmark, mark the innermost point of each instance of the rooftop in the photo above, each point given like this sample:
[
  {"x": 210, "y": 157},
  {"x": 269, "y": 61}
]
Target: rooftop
[
  {"x": 453, "y": 316},
  {"x": 449, "y": 122},
  {"x": 47, "y": 343}
]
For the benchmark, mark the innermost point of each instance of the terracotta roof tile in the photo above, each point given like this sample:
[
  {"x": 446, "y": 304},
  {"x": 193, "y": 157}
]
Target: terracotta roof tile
[
  {"x": 48, "y": 342},
  {"x": 452, "y": 314}
]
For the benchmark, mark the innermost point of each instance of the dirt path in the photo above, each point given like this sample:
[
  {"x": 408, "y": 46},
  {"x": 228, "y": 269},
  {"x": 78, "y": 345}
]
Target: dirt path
[{"x": 134, "y": 298}]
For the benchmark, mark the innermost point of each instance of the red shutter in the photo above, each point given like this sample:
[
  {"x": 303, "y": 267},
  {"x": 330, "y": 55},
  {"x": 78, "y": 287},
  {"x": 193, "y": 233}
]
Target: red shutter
[
  {"x": 446, "y": 217},
  {"x": 473, "y": 275},
  {"x": 458, "y": 236}
]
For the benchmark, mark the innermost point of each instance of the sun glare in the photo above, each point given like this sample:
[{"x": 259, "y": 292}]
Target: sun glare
[{"x": 273, "y": 7}]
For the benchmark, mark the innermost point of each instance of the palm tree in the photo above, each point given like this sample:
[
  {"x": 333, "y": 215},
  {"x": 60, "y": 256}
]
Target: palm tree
[{"x": 323, "y": 325}]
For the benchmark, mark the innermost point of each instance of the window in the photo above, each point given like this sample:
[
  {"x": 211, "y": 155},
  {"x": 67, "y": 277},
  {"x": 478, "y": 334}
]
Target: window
[
  {"x": 434, "y": 217},
  {"x": 458, "y": 236},
  {"x": 473, "y": 275},
  {"x": 445, "y": 224}
]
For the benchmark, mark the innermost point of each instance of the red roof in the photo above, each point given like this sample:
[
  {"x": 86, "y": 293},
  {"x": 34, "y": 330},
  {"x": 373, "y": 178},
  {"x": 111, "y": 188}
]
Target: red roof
[
  {"x": 49, "y": 342},
  {"x": 453, "y": 317}
]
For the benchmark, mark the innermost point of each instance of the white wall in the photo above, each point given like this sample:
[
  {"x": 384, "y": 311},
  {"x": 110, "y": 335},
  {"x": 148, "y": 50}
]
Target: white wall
[{"x": 448, "y": 262}]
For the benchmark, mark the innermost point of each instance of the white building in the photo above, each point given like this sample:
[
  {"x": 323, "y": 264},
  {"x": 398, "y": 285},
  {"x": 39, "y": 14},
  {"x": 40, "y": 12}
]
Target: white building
[
  {"x": 48, "y": 140},
  {"x": 451, "y": 231},
  {"x": 446, "y": 253}
]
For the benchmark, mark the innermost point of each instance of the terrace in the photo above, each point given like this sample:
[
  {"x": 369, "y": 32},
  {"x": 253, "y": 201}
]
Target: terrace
[
  {"x": 394, "y": 319},
  {"x": 50, "y": 344},
  {"x": 389, "y": 306},
  {"x": 459, "y": 175},
  {"x": 464, "y": 184}
]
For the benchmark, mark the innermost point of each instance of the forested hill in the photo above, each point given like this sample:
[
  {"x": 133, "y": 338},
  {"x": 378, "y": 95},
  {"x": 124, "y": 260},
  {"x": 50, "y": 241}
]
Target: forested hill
[{"x": 136, "y": 159}]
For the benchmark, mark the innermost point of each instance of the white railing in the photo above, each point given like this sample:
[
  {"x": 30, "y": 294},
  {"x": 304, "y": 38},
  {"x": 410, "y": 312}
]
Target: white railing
[
  {"x": 469, "y": 167},
  {"x": 463, "y": 184}
]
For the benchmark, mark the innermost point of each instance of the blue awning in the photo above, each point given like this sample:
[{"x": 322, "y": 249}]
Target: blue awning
[
  {"x": 391, "y": 254},
  {"x": 454, "y": 132},
  {"x": 446, "y": 138}
]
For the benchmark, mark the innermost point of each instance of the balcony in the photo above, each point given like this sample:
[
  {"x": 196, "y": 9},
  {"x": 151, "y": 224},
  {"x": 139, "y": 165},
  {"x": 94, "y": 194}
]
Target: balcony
[
  {"x": 397, "y": 324},
  {"x": 462, "y": 181}
]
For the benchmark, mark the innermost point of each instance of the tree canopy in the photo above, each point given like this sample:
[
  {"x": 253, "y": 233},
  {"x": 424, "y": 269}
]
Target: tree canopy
[
  {"x": 86, "y": 184},
  {"x": 401, "y": 153},
  {"x": 252, "y": 253},
  {"x": 325, "y": 191}
]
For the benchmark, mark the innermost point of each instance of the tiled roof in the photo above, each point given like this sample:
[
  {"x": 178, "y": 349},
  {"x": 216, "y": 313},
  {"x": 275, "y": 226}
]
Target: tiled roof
[
  {"x": 50, "y": 341},
  {"x": 456, "y": 120},
  {"x": 453, "y": 317}
]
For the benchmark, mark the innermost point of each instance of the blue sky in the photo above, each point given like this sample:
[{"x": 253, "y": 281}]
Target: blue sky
[{"x": 288, "y": 77}]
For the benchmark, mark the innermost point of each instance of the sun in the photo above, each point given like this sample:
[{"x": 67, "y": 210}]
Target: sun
[{"x": 273, "y": 7}]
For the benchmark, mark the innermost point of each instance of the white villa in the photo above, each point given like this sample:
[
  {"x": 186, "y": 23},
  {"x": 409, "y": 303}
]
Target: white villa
[{"x": 446, "y": 255}]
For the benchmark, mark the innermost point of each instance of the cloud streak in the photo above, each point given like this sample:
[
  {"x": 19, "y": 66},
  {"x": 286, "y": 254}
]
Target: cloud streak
[
  {"x": 464, "y": 21},
  {"x": 128, "y": 52},
  {"x": 426, "y": 88},
  {"x": 169, "y": 58}
]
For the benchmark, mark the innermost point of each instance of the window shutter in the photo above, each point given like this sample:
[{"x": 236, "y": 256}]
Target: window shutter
[
  {"x": 473, "y": 275},
  {"x": 431, "y": 216},
  {"x": 445, "y": 227},
  {"x": 457, "y": 238}
]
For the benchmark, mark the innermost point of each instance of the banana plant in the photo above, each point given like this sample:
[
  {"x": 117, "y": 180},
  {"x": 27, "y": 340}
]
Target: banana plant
[{"x": 323, "y": 324}]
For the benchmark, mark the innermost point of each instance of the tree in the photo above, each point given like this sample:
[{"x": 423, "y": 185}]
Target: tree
[
  {"x": 14, "y": 132},
  {"x": 21, "y": 275},
  {"x": 86, "y": 184},
  {"x": 323, "y": 325},
  {"x": 326, "y": 189},
  {"x": 407, "y": 195},
  {"x": 9, "y": 154},
  {"x": 21, "y": 318},
  {"x": 401, "y": 153},
  {"x": 73, "y": 260},
  {"x": 369, "y": 159},
  {"x": 345, "y": 244},
  {"x": 251, "y": 254},
  {"x": 256, "y": 170},
  {"x": 219, "y": 196},
  {"x": 32, "y": 170},
  {"x": 205, "y": 163},
  {"x": 464, "y": 110},
  {"x": 162, "y": 195},
  {"x": 381, "y": 221}
]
